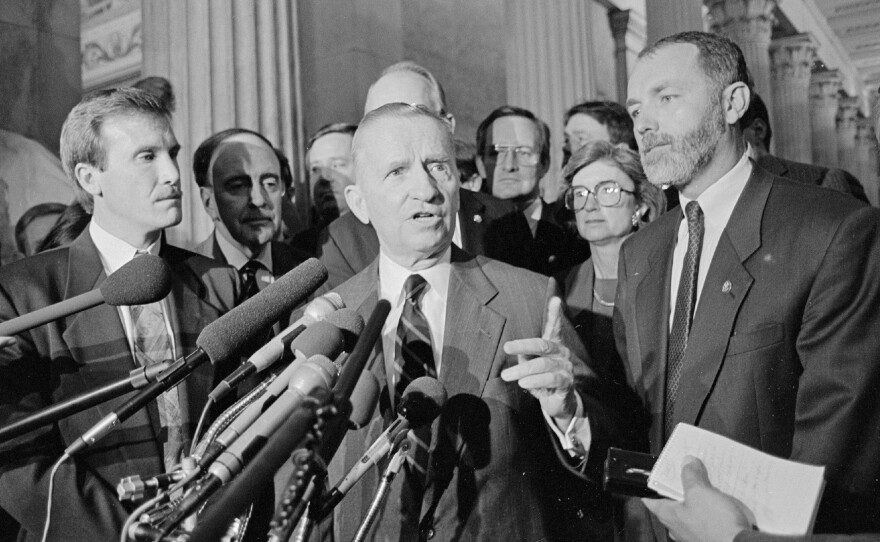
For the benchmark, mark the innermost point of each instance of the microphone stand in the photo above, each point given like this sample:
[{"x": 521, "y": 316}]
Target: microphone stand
[{"x": 400, "y": 452}]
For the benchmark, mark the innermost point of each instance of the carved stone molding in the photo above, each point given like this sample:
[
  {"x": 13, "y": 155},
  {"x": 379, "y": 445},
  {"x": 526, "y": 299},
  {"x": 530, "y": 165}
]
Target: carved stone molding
[{"x": 792, "y": 58}]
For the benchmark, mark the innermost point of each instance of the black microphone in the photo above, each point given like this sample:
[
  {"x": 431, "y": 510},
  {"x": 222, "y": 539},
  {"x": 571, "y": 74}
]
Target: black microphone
[
  {"x": 422, "y": 401},
  {"x": 319, "y": 309},
  {"x": 313, "y": 378},
  {"x": 222, "y": 339},
  {"x": 143, "y": 280}
]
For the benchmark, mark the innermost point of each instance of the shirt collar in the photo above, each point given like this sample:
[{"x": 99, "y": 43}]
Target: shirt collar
[
  {"x": 533, "y": 210},
  {"x": 236, "y": 257},
  {"x": 392, "y": 276},
  {"x": 114, "y": 251},
  {"x": 718, "y": 201}
]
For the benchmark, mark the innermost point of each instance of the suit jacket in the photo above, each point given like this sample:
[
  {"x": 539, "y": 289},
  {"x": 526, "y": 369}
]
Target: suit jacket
[
  {"x": 348, "y": 245},
  {"x": 80, "y": 353},
  {"x": 755, "y": 536},
  {"x": 284, "y": 257},
  {"x": 833, "y": 178},
  {"x": 783, "y": 349},
  {"x": 494, "y": 473}
]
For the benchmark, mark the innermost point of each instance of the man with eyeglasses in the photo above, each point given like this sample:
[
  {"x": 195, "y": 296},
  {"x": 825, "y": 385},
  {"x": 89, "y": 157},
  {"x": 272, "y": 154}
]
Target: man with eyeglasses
[
  {"x": 239, "y": 178},
  {"x": 513, "y": 153}
]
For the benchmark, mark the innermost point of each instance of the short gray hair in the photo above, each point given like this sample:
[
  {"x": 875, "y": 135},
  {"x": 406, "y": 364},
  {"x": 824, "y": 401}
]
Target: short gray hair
[{"x": 398, "y": 111}]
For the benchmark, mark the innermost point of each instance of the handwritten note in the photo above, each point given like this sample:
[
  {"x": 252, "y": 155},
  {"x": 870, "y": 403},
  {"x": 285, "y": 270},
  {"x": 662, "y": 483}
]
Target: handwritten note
[{"x": 782, "y": 494}]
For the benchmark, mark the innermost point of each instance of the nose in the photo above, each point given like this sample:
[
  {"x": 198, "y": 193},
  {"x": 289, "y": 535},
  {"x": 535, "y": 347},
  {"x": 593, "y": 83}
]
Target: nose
[
  {"x": 508, "y": 162},
  {"x": 169, "y": 172},
  {"x": 592, "y": 202},
  {"x": 258, "y": 194},
  {"x": 423, "y": 186},
  {"x": 644, "y": 121}
]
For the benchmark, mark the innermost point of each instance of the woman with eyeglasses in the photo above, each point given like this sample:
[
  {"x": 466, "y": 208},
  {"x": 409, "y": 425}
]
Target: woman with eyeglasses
[{"x": 611, "y": 198}]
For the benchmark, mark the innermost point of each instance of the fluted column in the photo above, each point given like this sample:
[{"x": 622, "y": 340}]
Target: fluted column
[
  {"x": 748, "y": 23},
  {"x": 847, "y": 117},
  {"x": 824, "y": 88},
  {"x": 866, "y": 147},
  {"x": 618, "y": 20},
  {"x": 791, "y": 64},
  {"x": 667, "y": 17},
  {"x": 550, "y": 66},
  {"x": 231, "y": 63}
]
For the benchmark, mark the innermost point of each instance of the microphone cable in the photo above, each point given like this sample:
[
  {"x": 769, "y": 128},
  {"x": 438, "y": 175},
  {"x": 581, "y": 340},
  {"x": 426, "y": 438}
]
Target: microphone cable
[{"x": 49, "y": 499}]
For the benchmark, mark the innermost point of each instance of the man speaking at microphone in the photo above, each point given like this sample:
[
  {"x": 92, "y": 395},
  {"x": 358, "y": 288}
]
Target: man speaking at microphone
[
  {"x": 120, "y": 151},
  {"x": 515, "y": 373}
]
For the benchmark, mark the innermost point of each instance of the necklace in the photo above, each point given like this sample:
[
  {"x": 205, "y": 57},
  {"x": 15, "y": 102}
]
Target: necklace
[{"x": 600, "y": 300}]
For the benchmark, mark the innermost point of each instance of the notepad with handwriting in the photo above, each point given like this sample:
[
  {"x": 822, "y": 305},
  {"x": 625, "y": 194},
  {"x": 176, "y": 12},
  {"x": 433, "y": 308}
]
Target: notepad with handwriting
[{"x": 783, "y": 494}]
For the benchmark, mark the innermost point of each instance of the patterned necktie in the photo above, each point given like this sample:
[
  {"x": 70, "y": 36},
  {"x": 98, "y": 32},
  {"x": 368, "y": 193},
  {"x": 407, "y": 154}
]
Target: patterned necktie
[
  {"x": 248, "y": 273},
  {"x": 415, "y": 358},
  {"x": 152, "y": 344},
  {"x": 684, "y": 310}
]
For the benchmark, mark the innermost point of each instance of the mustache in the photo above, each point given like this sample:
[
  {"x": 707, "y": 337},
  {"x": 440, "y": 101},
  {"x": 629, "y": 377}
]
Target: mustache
[{"x": 649, "y": 141}]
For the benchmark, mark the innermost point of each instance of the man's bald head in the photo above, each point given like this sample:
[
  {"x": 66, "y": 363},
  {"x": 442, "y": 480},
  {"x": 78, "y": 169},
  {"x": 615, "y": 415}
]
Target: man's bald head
[{"x": 409, "y": 83}]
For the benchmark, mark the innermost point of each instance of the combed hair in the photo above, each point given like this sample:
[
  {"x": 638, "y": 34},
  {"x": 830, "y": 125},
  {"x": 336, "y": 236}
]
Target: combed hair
[
  {"x": 398, "y": 111},
  {"x": 421, "y": 71},
  {"x": 541, "y": 129},
  {"x": 613, "y": 116},
  {"x": 35, "y": 212},
  {"x": 81, "y": 141},
  {"x": 627, "y": 161},
  {"x": 332, "y": 128},
  {"x": 720, "y": 58},
  {"x": 202, "y": 156}
]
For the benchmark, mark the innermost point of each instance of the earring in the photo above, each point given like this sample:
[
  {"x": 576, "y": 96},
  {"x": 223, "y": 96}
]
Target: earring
[{"x": 636, "y": 220}]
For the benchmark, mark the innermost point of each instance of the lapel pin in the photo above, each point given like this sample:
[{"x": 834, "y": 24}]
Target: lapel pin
[
  {"x": 478, "y": 219},
  {"x": 725, "y": 288}
]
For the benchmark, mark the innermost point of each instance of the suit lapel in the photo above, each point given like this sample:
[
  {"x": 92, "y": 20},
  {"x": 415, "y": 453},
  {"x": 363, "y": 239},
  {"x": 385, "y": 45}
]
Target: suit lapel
[
  {"x": 726, "y": 286},
  {"x": 472, "y": 224}
]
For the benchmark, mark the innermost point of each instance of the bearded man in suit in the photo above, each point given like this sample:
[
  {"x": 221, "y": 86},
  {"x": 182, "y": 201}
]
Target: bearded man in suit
[
  {"x": 755, "y": 315},
  {"x": 522, "y": 408},
  {"x": 120, "y": 151}
]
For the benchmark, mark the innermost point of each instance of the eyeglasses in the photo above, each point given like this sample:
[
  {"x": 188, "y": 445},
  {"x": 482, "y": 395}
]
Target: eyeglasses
[
  {"x": 607, "y": 194},
  {"x": 524, "y": 155}
]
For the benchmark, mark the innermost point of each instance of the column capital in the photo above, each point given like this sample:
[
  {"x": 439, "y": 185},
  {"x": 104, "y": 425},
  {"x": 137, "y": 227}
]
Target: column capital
[
  {"x": 792, "y": 56},
  {"x": 865, "y": 131},
  {"x": 847, "y": 111},
  {"x": 743, "y": 17},
  {"x": 825, "y": 85},
  {"x": 618, "y": 19}
]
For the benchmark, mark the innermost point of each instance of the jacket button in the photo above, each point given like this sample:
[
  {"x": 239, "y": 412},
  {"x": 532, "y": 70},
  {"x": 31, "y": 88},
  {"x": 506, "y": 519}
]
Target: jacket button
[{"x": 427, "y": 532}]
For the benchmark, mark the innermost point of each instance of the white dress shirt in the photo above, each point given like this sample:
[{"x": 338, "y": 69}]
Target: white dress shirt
[
  {"x": 115, "y": 253},
  {"x": 717, "y": 203},
  {"x": 236, "y": 257}
]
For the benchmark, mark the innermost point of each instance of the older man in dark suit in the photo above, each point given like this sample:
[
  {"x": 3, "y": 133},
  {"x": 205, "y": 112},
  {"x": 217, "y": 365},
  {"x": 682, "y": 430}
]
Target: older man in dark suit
[
  {"x": 754, "y": 315},
  {"x": 515, "y": 373},
  {"x": 119, "y": 149}
]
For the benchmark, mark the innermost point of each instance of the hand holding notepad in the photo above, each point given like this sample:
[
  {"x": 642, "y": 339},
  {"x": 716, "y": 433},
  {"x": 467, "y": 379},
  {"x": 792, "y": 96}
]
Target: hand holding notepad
[{"x": 783, "y": 495}]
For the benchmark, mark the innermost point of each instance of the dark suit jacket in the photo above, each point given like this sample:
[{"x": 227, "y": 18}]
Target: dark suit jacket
[
  {"x": 784, "y": 347},
  {"x": 495, "y": 474},
  {"x": 348, "y": 245},
  {"x": 80, "y": 353},
  {"x": 754, "y": 536},
  {"x": 833, "y": 178},
  {"x": 284, "y": 257}
]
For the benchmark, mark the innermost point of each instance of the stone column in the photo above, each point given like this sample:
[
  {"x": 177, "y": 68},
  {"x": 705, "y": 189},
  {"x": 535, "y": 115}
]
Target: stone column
[
  {"x": 748, "y": 23},
  {"x": 618, "y": 20},
  {"x": 866, "y": 147},
  {"x": 549, "y": 66},
  {"x": 824, "y": 88},
  {"x": 232, "y": 64},
  {"x": 792, "y": 60},
  {"x": 847, "y": 117},
  {"x": 667, "y": 17}
]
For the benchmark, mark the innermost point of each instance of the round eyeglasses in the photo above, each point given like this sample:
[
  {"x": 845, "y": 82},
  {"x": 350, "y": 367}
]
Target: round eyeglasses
[
  {"x": 523, "y": 154},
  {"x": 607, "y": 194}
]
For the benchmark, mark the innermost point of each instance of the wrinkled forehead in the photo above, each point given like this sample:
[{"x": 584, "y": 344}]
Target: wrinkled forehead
[
  {"x": 403, "y": 87},
  {"x": 513, "y": 130},
  {"x": 396, "y": 138},
  {"x": 241, "y": 151}
]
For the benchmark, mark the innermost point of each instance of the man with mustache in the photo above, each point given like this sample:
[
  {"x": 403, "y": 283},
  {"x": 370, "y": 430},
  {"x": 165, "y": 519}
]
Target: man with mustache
[
  {"x": 119, "y": 150},
  {"x": 753, "y": 311},
  {"x": 239, "y": 178}
]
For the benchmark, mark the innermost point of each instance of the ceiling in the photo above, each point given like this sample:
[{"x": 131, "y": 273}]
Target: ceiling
[{"x": 856, "y": 23}]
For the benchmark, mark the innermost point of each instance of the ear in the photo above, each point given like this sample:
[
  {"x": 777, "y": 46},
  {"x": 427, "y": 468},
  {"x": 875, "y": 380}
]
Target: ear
[
  {"x": 207, "y": 195},
  {"x": 450, "y": 118},
  {"x": 481, "y": 167},
  {"x": 88, "y": 177},
  {"x": 356, "y": 203},
  {"x": 735, "y": 101}
]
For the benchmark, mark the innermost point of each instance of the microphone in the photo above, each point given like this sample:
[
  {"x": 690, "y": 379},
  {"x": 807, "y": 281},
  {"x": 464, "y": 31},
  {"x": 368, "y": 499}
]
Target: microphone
[
  {"x": 422, "y": 401},
  {"x": 364, "y": 399},
  {"x": 143, "y": 280},
  {"x": 350, "y": 323},
  {"x": 222, "y": 339},
  {"x": 317, "y": 310},
  {"x": 312, "y": 378}
]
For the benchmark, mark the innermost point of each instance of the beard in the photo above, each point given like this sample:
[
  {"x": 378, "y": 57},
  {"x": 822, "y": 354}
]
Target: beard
[{"x": 686, "y": 155}]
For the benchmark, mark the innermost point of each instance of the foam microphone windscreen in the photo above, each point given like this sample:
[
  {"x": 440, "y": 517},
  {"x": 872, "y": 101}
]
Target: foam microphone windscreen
[
  {"x": 422, "y": 400},
  {"x": 322, "y": 338},
  {"x": 145, "y": 279},
  {"x": 228, "y": 336},
  {"x": 364, "y": 399},
  {"x": 350, "y": 323}
]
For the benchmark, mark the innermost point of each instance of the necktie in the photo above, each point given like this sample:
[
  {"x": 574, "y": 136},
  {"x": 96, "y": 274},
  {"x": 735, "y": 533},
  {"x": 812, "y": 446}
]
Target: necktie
[
  {"x": 684, "y": 310},
  {"x": 415, "y": 358},
  {"x": 248, "y": 274},
  {"x": 152, "y": 344}
]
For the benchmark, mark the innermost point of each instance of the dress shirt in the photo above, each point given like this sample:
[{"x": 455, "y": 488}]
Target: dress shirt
[
  {"x": 236, "y": 257},
  {"x": 533, "y": 214},
  {"x": 717, "y": 203},
  {"x": 577, "y": 437},
  {"x": 114, "y": 254},
  {"x": 456, "y": 234}
]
